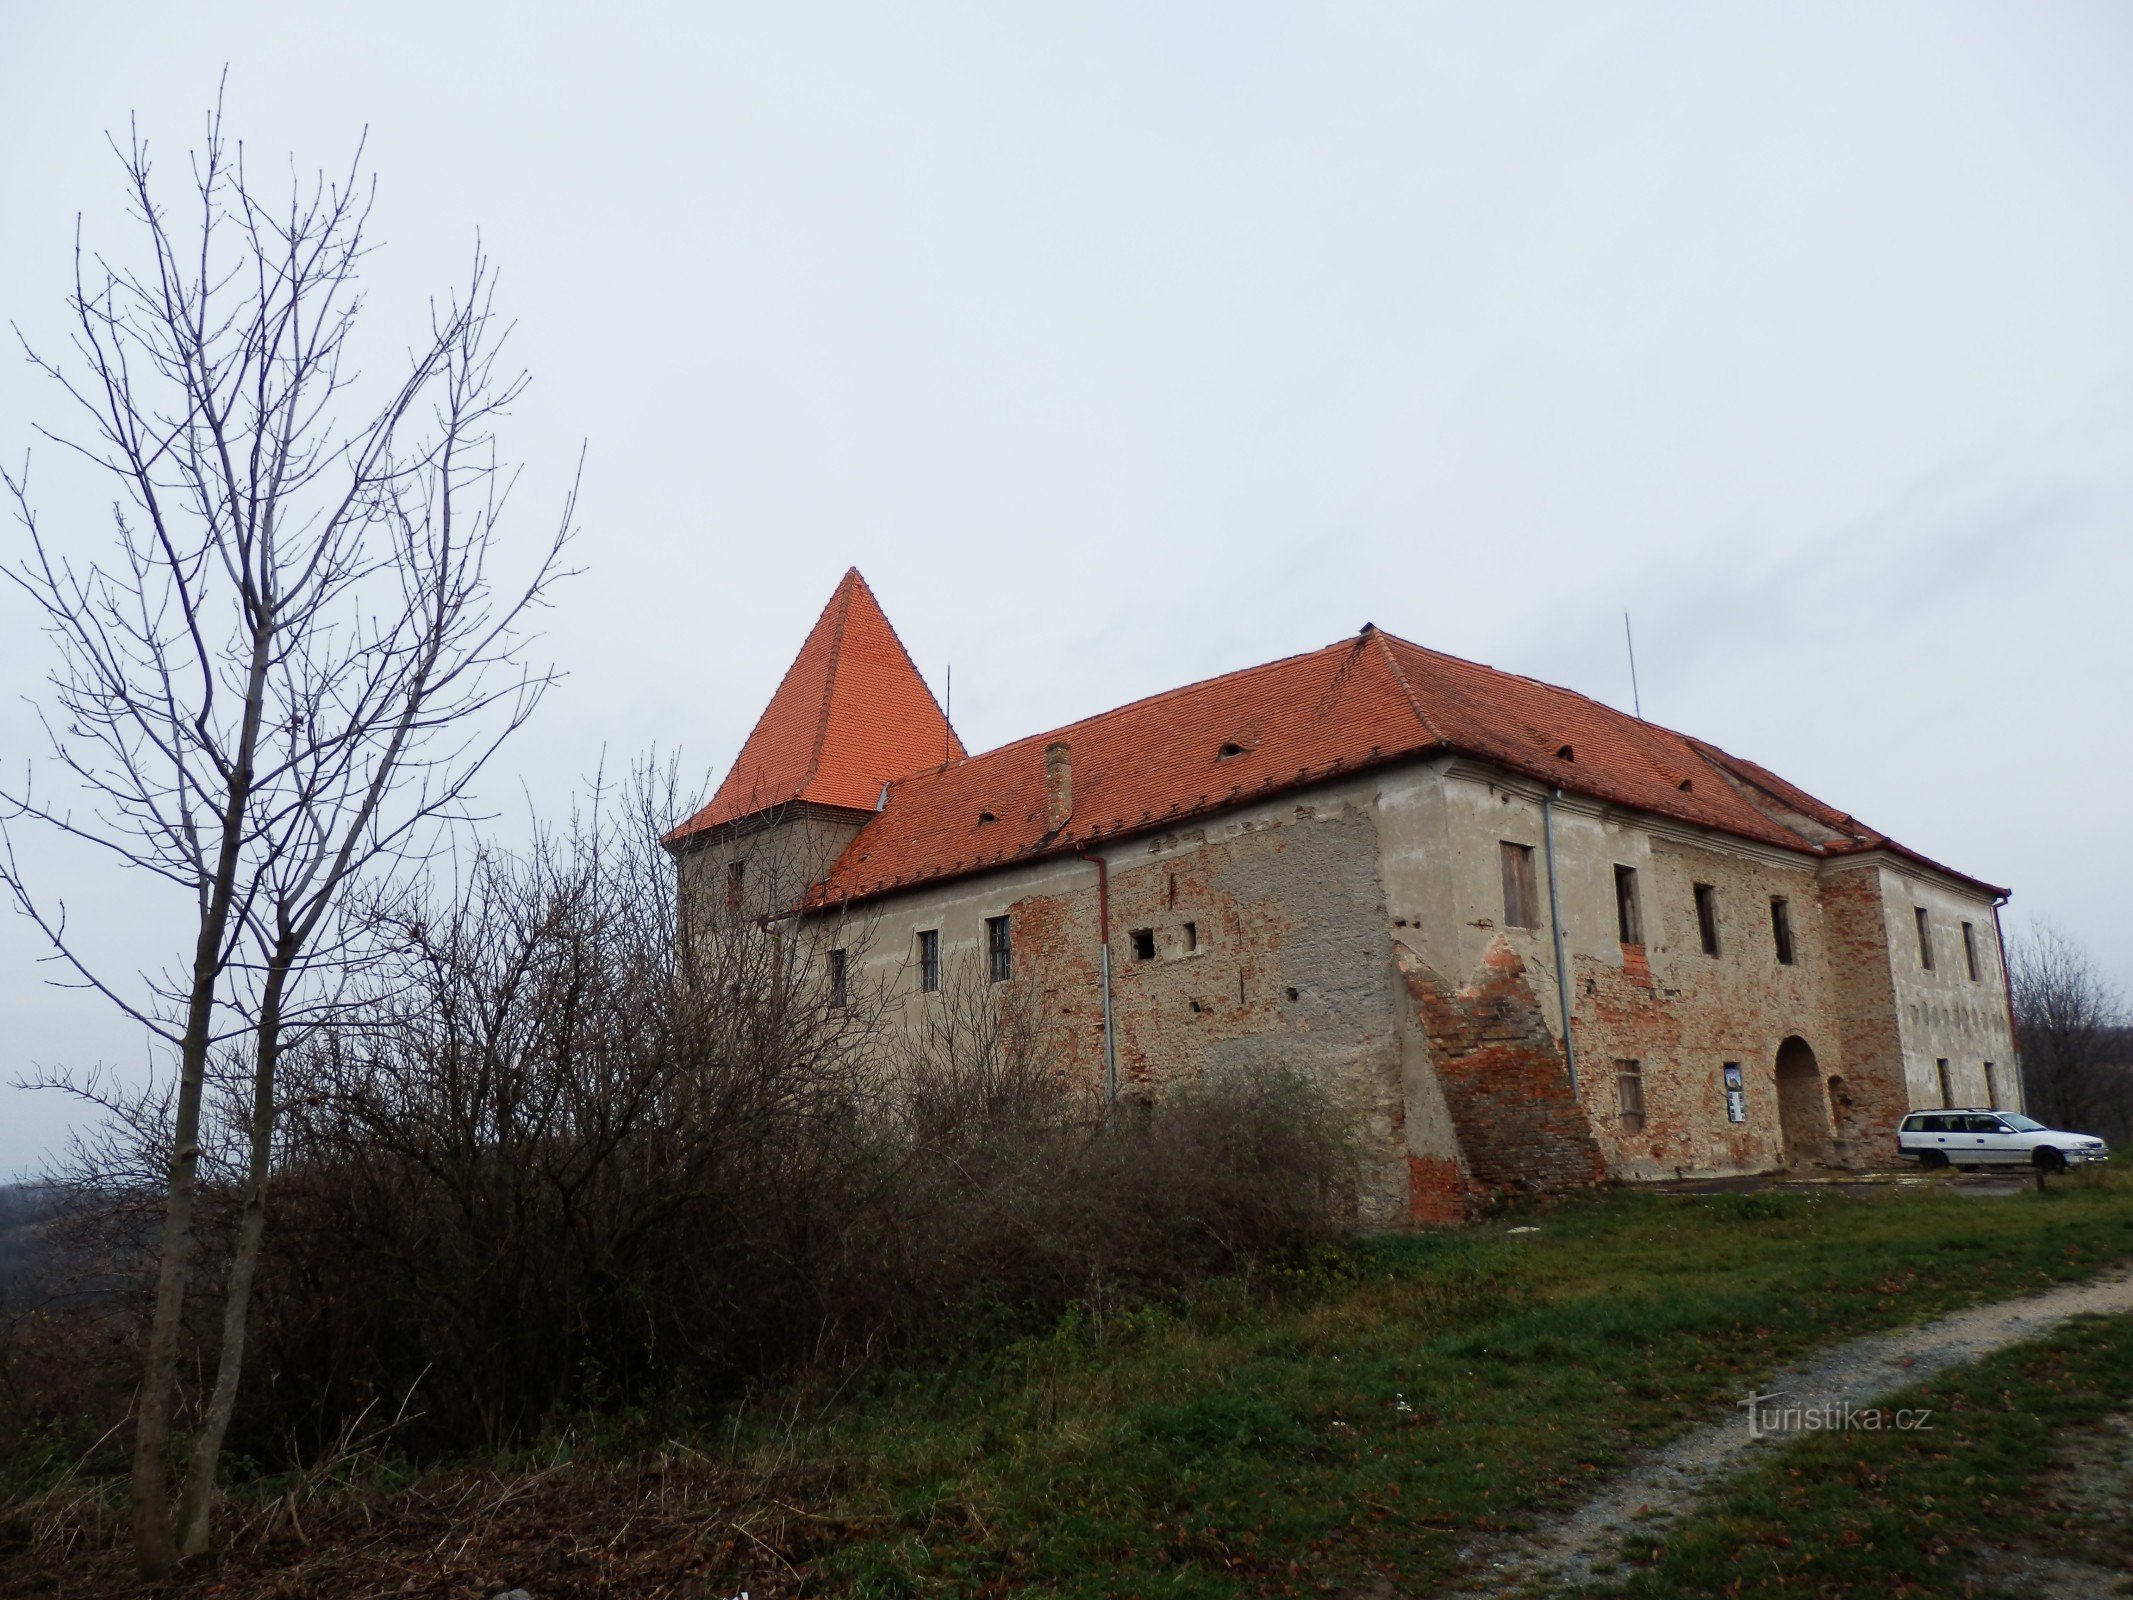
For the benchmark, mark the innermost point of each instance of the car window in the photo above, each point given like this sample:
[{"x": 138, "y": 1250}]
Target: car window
[
  {"x": 2022, "y": 1124},
  {"x": 1936, "y": 1124},
  {"x": 1984, "y": 1124}
]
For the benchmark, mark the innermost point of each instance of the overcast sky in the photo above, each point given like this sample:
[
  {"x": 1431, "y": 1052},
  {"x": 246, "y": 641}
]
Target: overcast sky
[{"x": 1119, "y": 346}]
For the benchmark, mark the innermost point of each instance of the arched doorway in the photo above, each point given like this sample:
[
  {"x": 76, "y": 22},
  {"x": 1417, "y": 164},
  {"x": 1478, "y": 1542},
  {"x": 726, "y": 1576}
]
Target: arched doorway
[{"x": 1803, "y": 1111}]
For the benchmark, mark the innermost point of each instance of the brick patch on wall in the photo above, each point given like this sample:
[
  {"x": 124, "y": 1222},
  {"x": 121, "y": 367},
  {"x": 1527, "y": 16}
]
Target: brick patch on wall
[{"x": 1503, "y": 1078}]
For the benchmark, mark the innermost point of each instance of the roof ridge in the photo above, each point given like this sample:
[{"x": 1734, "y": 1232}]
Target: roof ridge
[
  {"x": 955, "y": 740},
  {"x": 1399, "y": 676},
  {"x": 1538, "y": 683},
  {"x": 842, "y": 600},
  {"x": 1160, "y": 695}
]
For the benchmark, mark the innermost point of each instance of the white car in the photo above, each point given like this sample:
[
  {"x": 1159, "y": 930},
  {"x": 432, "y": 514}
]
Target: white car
[{"x": 1981, "y": 1137}]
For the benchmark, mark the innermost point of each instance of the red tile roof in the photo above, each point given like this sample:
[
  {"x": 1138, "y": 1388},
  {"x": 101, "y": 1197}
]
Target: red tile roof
[
  {"x": 851, "y": 715},
  {"x": 1364, "y": 702}
]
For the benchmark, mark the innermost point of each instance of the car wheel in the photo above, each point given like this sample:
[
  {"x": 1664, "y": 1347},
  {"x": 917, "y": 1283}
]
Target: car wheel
[
  {"x": 2048, "y": 1159},
  {"x": 1933, "y": 1160}
]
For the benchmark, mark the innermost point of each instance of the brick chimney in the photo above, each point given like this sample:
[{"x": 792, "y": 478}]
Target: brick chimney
[{"x": 1058, "y": 785}]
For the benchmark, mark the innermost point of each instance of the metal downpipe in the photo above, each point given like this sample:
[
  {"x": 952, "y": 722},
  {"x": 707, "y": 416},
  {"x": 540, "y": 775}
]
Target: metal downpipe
[
  {"x": 1555, "y": 925},
  {"x": 1103, "y": 925}
]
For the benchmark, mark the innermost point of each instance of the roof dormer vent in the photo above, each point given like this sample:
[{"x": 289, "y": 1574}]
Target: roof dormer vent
[
  {"x": 1232, "y": 748},
  {"x": 1566, "y": 754},
  {"x": 985, "y": 817}
]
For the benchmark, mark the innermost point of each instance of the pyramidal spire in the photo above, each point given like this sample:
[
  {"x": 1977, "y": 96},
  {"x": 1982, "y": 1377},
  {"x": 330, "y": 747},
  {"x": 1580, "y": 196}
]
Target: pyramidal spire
[{"x": 851, "y": 715}]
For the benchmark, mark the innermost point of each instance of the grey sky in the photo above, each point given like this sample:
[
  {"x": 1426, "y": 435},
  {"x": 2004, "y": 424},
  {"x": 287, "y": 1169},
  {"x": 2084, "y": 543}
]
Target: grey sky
[{"x": 1123, "y": 345}]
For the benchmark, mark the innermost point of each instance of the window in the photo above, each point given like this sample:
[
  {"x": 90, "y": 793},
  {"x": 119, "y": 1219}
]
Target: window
[
  {"x": 1192, "y": 937},
  {"x": 1947, "y": 1091},
  {"x": 1925, "y": 937},
  {"x": 929, "y": 960},
  {"x": 1992, "y": 1085},
  {"x": 736, "y": 873},
  {"x": 1781, "y": 928},
  {"x": 836, "y": 978},
  {"x": 1143, "y": 940},
  {"x": 1970, "y": 950},
  {"x": 1707, "y": 918},
  {"x": 999, "y": 949},
  {"x": 1521, "y": 898},
  {"x": 1629, "y": 921},
  {"x": 1629, "y": 1095}
]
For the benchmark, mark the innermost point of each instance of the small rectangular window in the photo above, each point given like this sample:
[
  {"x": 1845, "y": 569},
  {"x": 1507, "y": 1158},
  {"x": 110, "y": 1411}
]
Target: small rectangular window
[
  {"x": 1992, "y": 1086},
  {"x": 929, "y": 960},
  {"x": 1143, "y": 941},
  {"x": 1947, "y": 1089},
  {"x": 1707, "y": 918},
  {"x": 1629, "y": 1095},
  {"x": 1970, "y": 950},
  {"x": 1925, "y": 937},
  {"x": 1521, "y": 896},
  {"x": 1781, "y": 928},
  {"x": 1192, "y": 937},
  {"x": 736, "y": 874},
  {"x": 999, "y": 949},
  {"x": 837, "y": 993},
  {"x": 1629, "y": 919}
]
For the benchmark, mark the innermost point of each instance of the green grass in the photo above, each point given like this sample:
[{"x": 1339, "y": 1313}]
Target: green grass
[
  {"x": 1396, "y": 1402},
  {"x": 1391, "y": 1408},
  {"x": 1889, "y": 1513}
]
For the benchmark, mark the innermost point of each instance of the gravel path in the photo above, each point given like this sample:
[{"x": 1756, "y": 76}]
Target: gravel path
[{"x": 1564, "y": 1553}]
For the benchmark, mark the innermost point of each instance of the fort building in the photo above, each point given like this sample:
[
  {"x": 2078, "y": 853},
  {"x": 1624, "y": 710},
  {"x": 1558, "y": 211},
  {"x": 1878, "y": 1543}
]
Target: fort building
[{"x": 1538, "y": 942}]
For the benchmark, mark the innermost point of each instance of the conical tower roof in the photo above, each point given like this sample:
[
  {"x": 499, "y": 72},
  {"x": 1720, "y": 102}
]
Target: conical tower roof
[{"x": 851, "y": 715}]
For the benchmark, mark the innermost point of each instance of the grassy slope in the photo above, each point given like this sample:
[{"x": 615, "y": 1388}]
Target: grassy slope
[
  {"x": 1236, "y": 1447},
  {"x": 1381, "y": 1413}
]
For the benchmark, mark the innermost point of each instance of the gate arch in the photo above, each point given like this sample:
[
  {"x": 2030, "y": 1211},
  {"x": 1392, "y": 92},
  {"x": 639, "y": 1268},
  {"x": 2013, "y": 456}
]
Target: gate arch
[{"x": 1803, "y": 1107}]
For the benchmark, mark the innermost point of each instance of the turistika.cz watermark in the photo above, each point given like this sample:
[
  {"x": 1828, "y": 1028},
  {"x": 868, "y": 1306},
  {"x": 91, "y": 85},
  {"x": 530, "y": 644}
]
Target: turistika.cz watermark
[{"x": 1768, "y": 1414}]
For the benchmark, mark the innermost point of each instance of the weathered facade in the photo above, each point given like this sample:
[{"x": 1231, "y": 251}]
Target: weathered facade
[{"x": 1372, "y": 863}]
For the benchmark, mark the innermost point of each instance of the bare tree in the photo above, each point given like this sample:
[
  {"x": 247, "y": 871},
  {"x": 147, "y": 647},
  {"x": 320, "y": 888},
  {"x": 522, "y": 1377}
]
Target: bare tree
[
  {"x": 2074, "y": 1029},
  {"x": 277, "y": 689}
]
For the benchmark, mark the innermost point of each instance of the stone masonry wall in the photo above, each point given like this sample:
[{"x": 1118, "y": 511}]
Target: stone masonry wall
[{"x": 1266, "y": 945}]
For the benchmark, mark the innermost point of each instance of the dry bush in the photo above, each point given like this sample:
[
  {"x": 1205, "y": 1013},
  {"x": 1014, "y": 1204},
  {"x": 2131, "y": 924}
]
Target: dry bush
[{"x": 564, "y": 1161}]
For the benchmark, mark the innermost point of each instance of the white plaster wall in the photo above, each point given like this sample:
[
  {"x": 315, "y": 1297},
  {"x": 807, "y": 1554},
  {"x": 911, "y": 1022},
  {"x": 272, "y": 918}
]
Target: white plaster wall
[{"x": 1945, "y": 1012}]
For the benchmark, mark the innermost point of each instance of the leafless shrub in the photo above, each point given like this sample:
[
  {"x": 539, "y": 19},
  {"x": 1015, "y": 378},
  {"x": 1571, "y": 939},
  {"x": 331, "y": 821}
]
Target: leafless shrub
[
  {"x": 563, "y": 1160},
  {"x": 2075, "y": 1033}
]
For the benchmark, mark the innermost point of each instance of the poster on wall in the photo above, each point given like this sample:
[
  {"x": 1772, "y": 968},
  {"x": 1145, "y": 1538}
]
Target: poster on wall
[{"x": 1736, "y": 1094}]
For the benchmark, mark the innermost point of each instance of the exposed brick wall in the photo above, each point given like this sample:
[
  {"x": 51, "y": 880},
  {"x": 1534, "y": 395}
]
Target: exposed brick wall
[
  {"x": 1504, "y": 1080},
  {"x": 1439, "y": 1192},
  {"x": 1874, "y": 1096}
]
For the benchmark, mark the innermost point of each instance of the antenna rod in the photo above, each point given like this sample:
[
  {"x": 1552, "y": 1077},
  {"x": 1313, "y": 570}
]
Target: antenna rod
[{"x": 1636, "y": 698}]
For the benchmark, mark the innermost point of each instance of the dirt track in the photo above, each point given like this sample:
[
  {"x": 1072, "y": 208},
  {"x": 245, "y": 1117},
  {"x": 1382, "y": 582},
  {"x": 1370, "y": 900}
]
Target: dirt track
[{"x": 1565, "y": 1553}]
